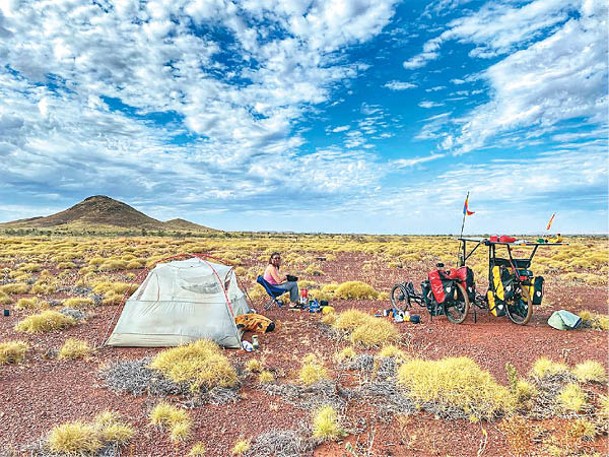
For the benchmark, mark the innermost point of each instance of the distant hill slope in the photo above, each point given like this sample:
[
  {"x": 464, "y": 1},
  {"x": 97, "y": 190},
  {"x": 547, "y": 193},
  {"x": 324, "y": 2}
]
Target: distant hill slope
[{"x": 102, "y": 211}]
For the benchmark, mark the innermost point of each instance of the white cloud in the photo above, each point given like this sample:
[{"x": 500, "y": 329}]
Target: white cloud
[
  {"x": 399, "y": 85},
  {"x": 430, "y": 104},
  {"x": 559, "y": 78},
  {"x": 340, "y": 128},
  {"x": 407, "y": 163},
  {"x": 243, "y": 96},
  {"x": 498, "y": 28}
]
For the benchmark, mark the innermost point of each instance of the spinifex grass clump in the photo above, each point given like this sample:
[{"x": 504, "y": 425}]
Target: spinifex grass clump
[
  {"x": 326, "y": 424},
  {"x": 74, "y": 349},
  {"x": 13, "y": 352},
  {"x": 454, "y": 387},
  {"x": 312, "y": 370},
  {"x": 590, "y": 371},
  {"x": 47, "y": 321},
  {"x": 173, "y": 419},
  {"x": 200, "y": 365},
  {"x": 78, "y": 437},
  {"x": 593, "y": 320},
  {"x": 355, "y": 290},
  {"x": 365, "y": 330},
  {"x": 79, "y": 302}
]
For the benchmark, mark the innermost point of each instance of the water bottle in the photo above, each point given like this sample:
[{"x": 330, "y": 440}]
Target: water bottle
[
  {"x": 247, "y": 346},
  {"x": 255, "y": 343}
]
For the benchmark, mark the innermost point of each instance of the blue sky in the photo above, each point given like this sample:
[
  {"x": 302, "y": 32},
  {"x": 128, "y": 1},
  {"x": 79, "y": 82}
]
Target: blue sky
[{"x": 311, "y": 116}]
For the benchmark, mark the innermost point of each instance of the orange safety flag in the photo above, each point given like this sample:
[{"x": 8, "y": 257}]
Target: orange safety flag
[
  {"x": 466, "y": 210},
  {"x": 550, "y": 221}
]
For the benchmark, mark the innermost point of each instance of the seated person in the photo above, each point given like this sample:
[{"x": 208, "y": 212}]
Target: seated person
[
  {"x": 272, "y": 276},
  {"x": 256, "y": 323}
]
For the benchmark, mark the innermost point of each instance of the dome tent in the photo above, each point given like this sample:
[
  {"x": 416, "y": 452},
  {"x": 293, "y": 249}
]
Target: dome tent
[{"x": 182, "y": 301}]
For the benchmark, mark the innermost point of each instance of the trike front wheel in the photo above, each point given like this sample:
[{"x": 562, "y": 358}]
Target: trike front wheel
[
  {"x": 400, "y": 298},
  {"x": 520, "y": 307},
  {"x": 457, "y": 306}
]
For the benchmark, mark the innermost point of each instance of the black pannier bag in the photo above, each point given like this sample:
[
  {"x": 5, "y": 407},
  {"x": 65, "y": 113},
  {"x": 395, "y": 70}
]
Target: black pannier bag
[{"x": 537, "y": 294}]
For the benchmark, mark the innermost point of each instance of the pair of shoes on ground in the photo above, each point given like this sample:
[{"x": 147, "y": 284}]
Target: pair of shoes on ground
[{"x": 296, "y": 306}]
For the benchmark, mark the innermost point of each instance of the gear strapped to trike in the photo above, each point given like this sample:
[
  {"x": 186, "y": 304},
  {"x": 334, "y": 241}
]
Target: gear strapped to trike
[{"x": 513, "y": 288}]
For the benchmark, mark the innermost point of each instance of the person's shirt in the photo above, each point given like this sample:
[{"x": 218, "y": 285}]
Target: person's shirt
[{"x": 271, "y": 275}]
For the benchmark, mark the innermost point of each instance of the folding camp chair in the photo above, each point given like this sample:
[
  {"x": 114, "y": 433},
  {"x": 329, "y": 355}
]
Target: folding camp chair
[{"x": 273, "y": 292}]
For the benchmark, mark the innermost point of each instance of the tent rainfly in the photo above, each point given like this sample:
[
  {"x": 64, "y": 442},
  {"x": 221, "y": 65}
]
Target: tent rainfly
[{"x": 180, "y": 302}]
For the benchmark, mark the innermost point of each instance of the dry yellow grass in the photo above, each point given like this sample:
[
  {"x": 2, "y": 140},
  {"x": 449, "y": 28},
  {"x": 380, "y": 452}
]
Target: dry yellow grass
[
  {"x": 13, "y": 352},
  {"x": 74, "y": 349},
  {"x": 47, "y": 321},
  {"x": 199, "y": 364}
]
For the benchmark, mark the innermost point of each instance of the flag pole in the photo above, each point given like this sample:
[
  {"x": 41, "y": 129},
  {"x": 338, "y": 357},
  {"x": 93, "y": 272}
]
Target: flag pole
[{"x": 464, "y": 215}]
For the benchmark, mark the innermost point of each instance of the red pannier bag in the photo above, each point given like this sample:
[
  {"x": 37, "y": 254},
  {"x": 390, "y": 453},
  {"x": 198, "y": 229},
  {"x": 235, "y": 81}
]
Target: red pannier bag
[{"x": 437, "y": 287}]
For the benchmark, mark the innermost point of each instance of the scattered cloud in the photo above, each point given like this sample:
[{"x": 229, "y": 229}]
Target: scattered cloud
[{"x": 399, "y": 85}]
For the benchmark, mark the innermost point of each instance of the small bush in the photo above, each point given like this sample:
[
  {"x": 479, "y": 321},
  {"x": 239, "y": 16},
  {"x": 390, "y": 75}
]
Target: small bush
[
  {"x": 455, "y": 383},
  {"x": 326, "y": 424},
  {"x": 74, "y": 349},
  {"x": 254, "y": 366},
  {"x": 175, "y": 420},
  {"x": 198, "y": 450},
  {"x": 241, "y": 447},
  {"x": 544, "y": 367},
  {"x": 79, "y": 302},
  {"x": 572, "y": 398},
  {"x": 16, "y": 288},
  {"x": 355, "y": 290},
  {"x": 350, "y": 319},
  {"x": 593, "y": 320},
  {"x": 26, "y": 303},
  {"x": 47, "y": 321},
  {"x": 346, "y": 354},
  {"x": 13, "y": 352},
  {"x": 590, "y": 371},
  {"x": 394, "y": 352},
  {"x": 199, "y": 364},
  {"x": 312, "y": 370},
  {"x": 266, "y": 377},
  {"x": 74, "y": 437},
  {"x": 112, "y": 429},
  {"x": 375, "y": 333}
]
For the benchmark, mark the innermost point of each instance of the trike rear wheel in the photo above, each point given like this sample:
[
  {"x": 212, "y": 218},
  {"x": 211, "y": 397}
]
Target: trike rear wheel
[
  {"x": 520, "y": 307},
  {"x": 457, "y": 306},
  {"x": 400, "y": 298}
]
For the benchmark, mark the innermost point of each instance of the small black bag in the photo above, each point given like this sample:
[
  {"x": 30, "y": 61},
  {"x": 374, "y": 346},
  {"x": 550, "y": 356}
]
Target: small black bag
[{"x": 292, "y": 278}]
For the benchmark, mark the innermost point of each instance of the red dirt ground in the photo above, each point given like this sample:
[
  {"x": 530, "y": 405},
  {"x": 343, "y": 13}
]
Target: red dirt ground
[{"x": 42, "y": 392}]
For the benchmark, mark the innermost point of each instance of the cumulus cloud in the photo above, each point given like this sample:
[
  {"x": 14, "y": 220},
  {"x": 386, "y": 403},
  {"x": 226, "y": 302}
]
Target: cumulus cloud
[{"x": 88, "y": 90}]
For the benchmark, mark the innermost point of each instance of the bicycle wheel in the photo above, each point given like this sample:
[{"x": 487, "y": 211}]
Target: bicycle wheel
[
  {"x": 400, "y": 298},
  {"x": 520, "y": 307},
  {"x": 456, "y": 306}
]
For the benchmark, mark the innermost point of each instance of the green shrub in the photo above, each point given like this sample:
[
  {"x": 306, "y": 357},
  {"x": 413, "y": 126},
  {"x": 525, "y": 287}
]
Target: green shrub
[
  {"x": 455, "y": 383},
  {"x": 199, "y": 364},
  {"x": 47, "y": 321}
]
